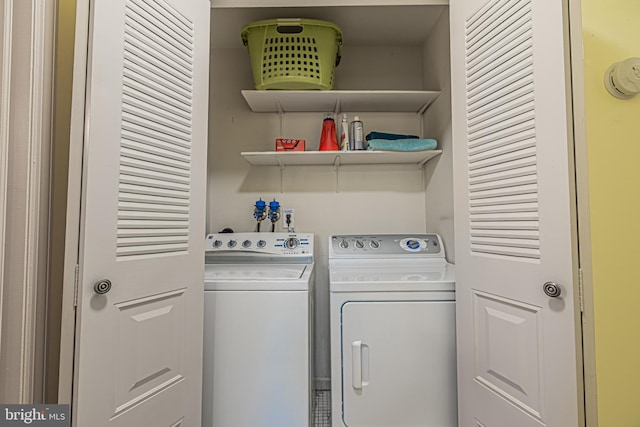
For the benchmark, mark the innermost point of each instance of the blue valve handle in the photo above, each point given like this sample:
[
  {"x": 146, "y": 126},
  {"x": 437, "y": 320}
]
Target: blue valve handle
[
  {"x": 260, "y": 211},
  {"x": 274, "y": 210}
]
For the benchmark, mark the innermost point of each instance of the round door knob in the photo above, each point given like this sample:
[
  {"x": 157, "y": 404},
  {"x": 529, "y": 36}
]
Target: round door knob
[
  {"x": 552, "y": 289},
  {"x": 102, "y": 287}
]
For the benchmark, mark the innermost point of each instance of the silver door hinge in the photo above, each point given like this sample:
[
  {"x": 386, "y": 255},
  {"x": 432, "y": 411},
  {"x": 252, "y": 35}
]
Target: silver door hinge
[
  {"x": 76, "y": 279},
  {"x": 580, "y": 290}
]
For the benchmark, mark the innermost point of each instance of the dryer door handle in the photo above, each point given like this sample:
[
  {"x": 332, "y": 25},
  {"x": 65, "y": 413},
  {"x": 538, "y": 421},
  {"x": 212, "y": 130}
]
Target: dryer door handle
[
  {"x": 359, "y": 365},
  {"x": 356, "y": 364}
]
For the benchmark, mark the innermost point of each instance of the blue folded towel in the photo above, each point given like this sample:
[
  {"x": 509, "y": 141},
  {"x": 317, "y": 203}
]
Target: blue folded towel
[
  {"x": 385, "y": 135},
  {"x": 402, "y": 144}
]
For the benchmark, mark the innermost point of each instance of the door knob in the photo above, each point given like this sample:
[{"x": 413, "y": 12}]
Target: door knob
[
  {"x": 552, "y": 289},
  {"x": 102, "y": 286}
]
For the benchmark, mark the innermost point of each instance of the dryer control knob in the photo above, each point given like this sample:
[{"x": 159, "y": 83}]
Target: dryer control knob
[
  {"x": 262, "y": 243},
  {"x": 374, "y": 244},
  {"x": 217, "y": 243},
  {"x": 246, "y": 244},
  {"x": 359, "y": 244},
  {"x": 413, "y": 244},
  {"x": 344, "y": 244},
  {"x": 232, "y": 243},
  {"x": 291, "y": 243}
]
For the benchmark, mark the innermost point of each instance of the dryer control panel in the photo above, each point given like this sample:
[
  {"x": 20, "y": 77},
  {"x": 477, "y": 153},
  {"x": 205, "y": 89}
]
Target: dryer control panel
[{"x": 385, "y": 246}]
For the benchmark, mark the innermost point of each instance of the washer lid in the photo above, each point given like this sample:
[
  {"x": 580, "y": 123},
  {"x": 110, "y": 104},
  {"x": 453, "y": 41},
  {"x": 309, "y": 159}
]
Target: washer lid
[
  {"x": 257, "y": 276},
  {"x": 253, "y": 271}
]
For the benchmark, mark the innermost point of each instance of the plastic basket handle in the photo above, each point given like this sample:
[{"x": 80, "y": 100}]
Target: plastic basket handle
[{"x": 289, "y": 28}]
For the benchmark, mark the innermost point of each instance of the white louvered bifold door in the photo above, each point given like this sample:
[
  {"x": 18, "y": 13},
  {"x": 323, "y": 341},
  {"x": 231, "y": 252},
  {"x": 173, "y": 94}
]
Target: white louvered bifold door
[
  {"x": 139, "y": 345},
  {"x": 518, "y": 348}
]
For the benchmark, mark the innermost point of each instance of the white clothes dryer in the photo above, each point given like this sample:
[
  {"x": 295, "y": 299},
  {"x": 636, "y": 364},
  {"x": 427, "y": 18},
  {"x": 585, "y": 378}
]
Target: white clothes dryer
[
  {"x": 392, "y": 311},
  {"x": 258, "y": 313}
]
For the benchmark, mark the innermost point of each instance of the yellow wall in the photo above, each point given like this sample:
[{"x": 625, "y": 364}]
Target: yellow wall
[
  {"x": 610, "y": 31},
  {"x": 65, "y": 25}
]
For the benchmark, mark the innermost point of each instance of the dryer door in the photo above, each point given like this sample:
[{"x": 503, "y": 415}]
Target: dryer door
[{"x": 399, "y": 363}]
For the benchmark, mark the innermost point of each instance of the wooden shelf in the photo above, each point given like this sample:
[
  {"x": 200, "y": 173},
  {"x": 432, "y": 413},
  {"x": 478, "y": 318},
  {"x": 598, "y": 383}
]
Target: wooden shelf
[
  {"x": 338, "y": 158},
  {"x": 285, "y": 101}
]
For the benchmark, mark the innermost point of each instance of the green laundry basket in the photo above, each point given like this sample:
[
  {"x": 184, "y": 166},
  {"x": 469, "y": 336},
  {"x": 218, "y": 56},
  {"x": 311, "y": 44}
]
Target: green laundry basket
[{"x": 293, "y": 54}]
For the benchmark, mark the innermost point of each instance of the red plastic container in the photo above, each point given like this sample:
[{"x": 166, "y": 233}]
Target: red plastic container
[{"x": 329, "y": 137}]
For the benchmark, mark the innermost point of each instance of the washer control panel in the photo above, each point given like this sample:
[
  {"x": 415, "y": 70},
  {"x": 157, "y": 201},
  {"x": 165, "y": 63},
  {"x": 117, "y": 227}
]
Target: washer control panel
[
  {"x": 385, "y": 245},
  {"x": 277, "y": 244}
]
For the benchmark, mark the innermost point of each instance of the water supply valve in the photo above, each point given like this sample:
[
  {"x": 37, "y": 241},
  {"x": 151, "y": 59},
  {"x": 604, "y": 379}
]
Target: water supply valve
[
  {"x": 260, "y": 212},
  {"x": 274, "y": 211}
]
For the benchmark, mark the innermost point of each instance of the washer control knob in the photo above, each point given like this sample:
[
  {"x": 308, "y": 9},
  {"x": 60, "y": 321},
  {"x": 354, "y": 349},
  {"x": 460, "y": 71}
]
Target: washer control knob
[
  {"x": 374, "y": 244},
  {"x": 291, "y": 243},
  {"x": 413, "y": 244},
  {"x": 344, "y": 244},
  {"x": 262, "y": 243},
  {"x": 217, "y": 243},
  {"x": 246, "y": 244},
  {"x": 232, "y": 244},
  {"x": 359, "y": 244}
]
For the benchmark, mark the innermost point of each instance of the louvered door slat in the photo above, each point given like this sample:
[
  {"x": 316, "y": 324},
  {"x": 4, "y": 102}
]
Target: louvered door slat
[
  {"x": 137, "y": 32},
  {"x": 152, "y": 224},
  {"x": 165, "y": 26},
  {"x": 504, "y": 200},
  {"x": 517, "y": 60},
  {"x": 505, "y": 208},
  {"x": 127, "y": 188},
  {"x": 495, "y": 45},
  {"x": 149, "y": 156},
  {"x": 136, "y": 141},
  {"x": 508, "y": 162},
  {"x": 134, "y": 161},
  {"x": 155, "y": 151},
  {"x": 502, "y": 165},
  {"x": 154, "y": 72},
  {"x": 496, "y": 117},
  {"x": 155, "y": 96},
  {"x": 515, "y": 95},
  {"x": 135, "y": 126}
]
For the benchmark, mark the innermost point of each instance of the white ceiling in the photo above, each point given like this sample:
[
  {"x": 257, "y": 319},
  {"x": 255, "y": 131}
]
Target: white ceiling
[{"x": 361, "y": 26}]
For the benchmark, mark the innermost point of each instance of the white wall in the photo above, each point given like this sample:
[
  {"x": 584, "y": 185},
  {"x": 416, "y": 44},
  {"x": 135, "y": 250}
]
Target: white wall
[
  {"x": 437, "y": 124},
  {"x": 355, "y": 199},
  {"x": 25, "y": 146}
]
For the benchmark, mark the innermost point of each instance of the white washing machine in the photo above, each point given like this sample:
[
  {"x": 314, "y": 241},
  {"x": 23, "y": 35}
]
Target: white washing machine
[
  {"x": 258, "y": 315},
  {"x": 393, "y": 355}
]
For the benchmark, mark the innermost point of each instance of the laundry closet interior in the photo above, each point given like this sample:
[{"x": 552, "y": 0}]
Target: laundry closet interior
[{"x": 394, "y": 74}]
